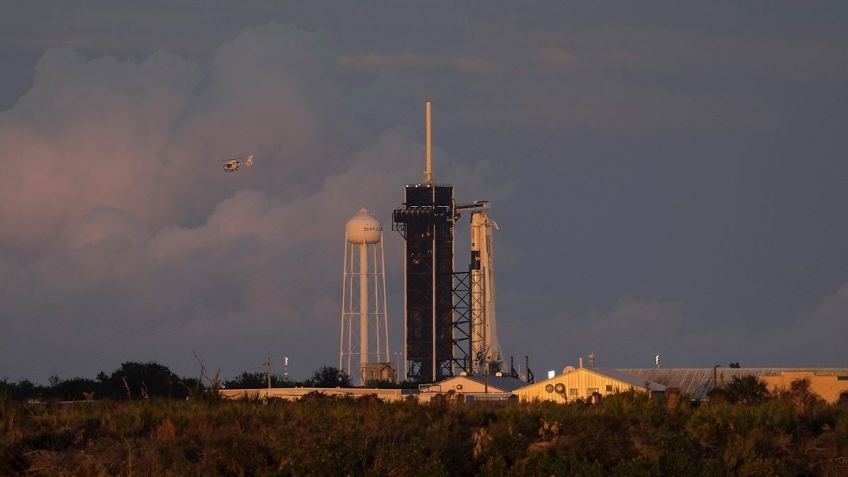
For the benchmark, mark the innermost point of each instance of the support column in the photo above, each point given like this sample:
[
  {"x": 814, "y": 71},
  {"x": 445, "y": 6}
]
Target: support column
[{"x": 363, "y": 309}]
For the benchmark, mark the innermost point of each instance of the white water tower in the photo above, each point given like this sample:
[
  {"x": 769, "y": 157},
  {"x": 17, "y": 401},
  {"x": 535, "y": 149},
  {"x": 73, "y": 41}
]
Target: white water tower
[{"x": 364, "y": 321}]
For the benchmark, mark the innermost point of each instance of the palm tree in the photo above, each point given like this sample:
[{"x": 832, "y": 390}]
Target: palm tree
[{"x": 748, "y": 389}]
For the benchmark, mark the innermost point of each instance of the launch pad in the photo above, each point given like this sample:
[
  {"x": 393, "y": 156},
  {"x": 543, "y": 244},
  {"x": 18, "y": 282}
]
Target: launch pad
[{"x": 449, "y": 320}]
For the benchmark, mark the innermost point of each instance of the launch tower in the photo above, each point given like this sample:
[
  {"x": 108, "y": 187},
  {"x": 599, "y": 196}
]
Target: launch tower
[{"x": 426, "y": 222}]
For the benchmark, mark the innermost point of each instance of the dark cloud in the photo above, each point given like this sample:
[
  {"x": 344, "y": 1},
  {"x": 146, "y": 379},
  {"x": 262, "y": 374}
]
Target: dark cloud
[
  {"x": 371, "y": 61},
  {"x": 139, "y": 246},
  {"x": 667, "y": 180}
]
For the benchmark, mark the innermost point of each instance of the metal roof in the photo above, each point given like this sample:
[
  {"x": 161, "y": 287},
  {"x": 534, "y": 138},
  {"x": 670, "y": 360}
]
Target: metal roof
[
  {"x": 507, "y": 383},
  {"x": 697, "y": 382},
  {"x": 620, "y": 375}
]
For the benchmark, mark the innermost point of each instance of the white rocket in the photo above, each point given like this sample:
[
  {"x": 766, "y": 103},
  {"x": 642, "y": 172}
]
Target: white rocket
[{"x": 485, "y": 348}]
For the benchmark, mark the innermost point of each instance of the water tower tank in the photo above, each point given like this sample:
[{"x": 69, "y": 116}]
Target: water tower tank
[{"x": 363, "y": 228}]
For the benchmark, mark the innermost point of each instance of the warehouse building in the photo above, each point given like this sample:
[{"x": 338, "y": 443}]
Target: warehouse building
[
  {"x": 584, "y": 383},
  {"x": 831, "y": 384}
]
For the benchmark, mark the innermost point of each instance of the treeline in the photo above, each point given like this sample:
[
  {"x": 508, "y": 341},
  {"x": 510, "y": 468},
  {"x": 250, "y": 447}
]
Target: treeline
[
  {"x": 624, "y": 435},
  {"x": 134, "y": 380}
]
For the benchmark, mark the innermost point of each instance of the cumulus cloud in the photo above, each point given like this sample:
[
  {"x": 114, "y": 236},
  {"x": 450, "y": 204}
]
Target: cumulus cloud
[
  {"x": 627, "y": 333},
  {"x": 647, "y": 327},
  {"x": 554, "y": 55},
  {"x": 477, "y": 66},
  {"x": 122, "y": 238},
  {"x": 619, "y": 54},
  {"x": 816, "y": 337},
  {"x": 411, "y": 61},
  {"x": 371, "y": 61}
]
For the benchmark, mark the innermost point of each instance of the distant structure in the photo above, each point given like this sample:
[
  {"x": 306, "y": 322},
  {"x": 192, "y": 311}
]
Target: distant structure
[
  {"x": 364, "y": 342},
  {"x": 831, "y": 384},
  {"x": 449, "y": 325},
  {"x": 484, "y": 348},
  {"x": 426, "y": 222},
  {"x": 587, "y": 384}
]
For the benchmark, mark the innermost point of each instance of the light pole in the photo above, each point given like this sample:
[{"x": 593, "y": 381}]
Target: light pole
[
  {"x": 397, "y": 370},
  {"x": 715, "y": 375}
]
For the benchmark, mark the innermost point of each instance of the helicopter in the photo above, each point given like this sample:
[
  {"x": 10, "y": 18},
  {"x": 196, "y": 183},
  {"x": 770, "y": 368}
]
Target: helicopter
[{"x": 233, "y": 164}]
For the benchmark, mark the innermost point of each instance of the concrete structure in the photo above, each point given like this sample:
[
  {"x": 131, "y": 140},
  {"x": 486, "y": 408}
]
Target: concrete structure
[
  {"x": 582, "y": 383},
  {"x": 375, "y": 373},
  {"x": 696, "y": 383}
]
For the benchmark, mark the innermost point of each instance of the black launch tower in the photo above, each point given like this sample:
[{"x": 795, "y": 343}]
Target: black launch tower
[{"x": 426, "y": 222}]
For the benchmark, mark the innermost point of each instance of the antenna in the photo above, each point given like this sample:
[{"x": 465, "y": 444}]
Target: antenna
[
  {"x": 428, "y": 171},
  {"x": 286, "y": 368}
]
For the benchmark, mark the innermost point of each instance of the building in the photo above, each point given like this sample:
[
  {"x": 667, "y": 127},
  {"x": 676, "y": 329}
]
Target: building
[
  {"x": 375, "y": 373},
  {"x": 472, "y": 388},
  {"x": 294, "y": 394},
  {"x": 583, "y": 383},
  {"x": 831, "y": 384},
  {"x": 475, "y": 384}
]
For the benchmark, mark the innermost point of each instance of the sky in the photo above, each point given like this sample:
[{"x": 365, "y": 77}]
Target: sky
[{"x": 669, "y": 177}]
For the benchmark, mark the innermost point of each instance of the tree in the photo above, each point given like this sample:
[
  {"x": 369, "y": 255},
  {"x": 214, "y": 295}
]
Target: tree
[
  {"x": 800, "y": 395},
  {"x": 248, "y": 380},
  {"x": 328, "y": 377},
  {"x": 144, "y": 380},
  {"x": 73, "y": 389},
  {"x": 257, "y": 380},
  {"x": 746, "y": 389}
]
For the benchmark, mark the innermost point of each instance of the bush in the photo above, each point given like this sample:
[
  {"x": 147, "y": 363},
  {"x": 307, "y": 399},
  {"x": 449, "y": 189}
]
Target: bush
[{"x": 320, "y": 435}]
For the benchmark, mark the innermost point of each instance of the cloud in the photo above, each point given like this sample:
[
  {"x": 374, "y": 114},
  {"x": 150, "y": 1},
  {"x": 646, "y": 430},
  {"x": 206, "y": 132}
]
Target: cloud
[
  {"x": 554, "y": 55},
  {"x": 372, "y": 61},
  {"x": 816, "y": 337},
  {"x": 477, "y": 66},
  {"x": 122, "y": 237},
  {"x": 619, "y": 54},
  {"x": 647, "y": 327},
  {"x": 411, "y": 61}
]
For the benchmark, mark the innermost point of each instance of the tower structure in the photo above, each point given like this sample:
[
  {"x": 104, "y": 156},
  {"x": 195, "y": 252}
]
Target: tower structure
[
  {"x": 364, "y": 339},
  {"x": 426, "y": 220}
]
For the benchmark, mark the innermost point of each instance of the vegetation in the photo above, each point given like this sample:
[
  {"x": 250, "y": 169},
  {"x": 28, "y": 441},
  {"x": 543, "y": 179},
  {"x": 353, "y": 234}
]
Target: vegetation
[
  {"x": 792, "y": 433},
  {"x": 131, "y": 380},
  {"x": 149, "y": 380},
  {"x": 747, "y": 389},
  {"x": 326, "y": 377}
]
